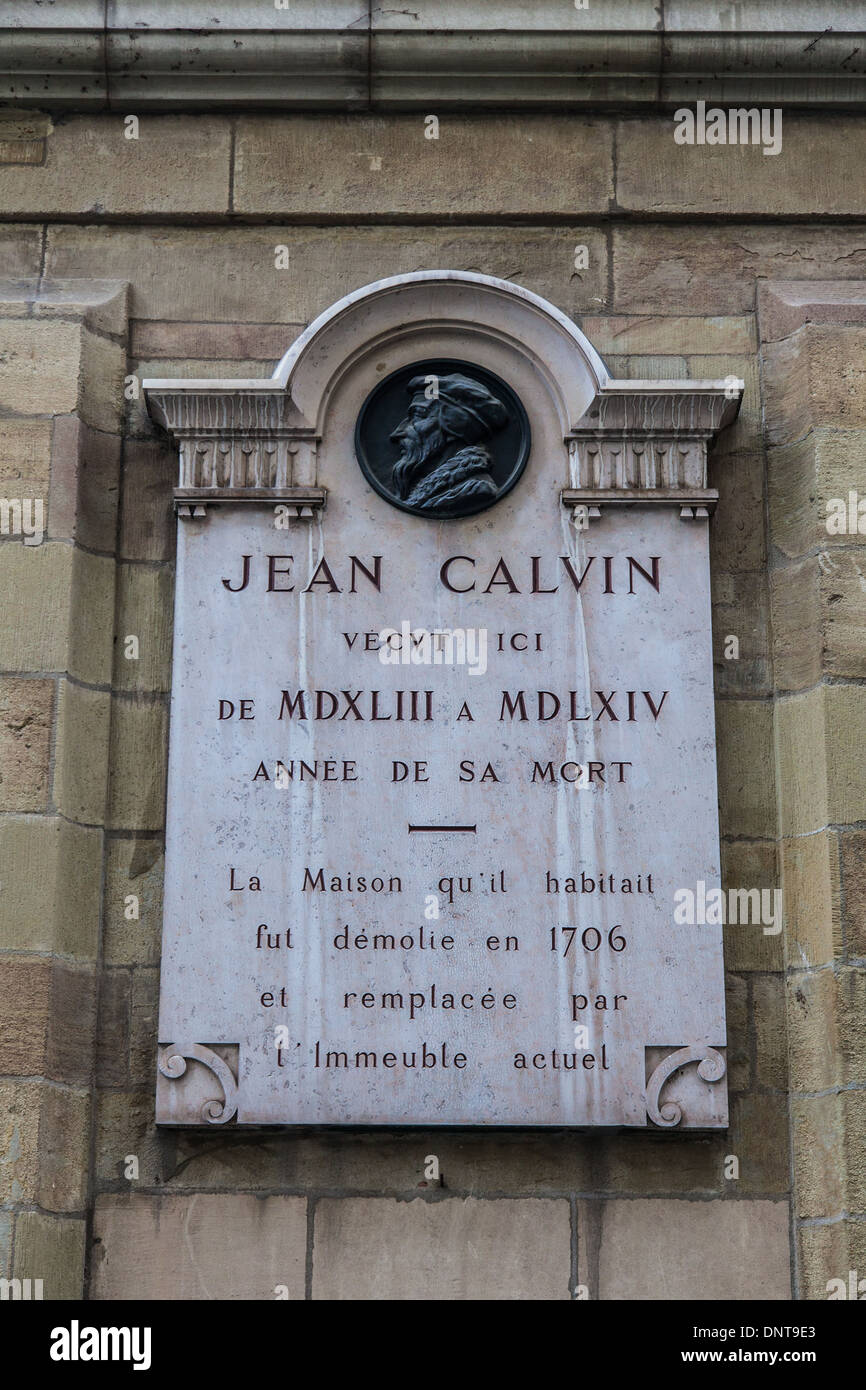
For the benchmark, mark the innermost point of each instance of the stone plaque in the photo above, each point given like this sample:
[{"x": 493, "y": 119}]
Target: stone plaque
[{"x": 442, "y": 742}]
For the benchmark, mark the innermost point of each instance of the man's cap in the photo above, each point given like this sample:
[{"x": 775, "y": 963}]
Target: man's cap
[{"x": 468, "y": 395}]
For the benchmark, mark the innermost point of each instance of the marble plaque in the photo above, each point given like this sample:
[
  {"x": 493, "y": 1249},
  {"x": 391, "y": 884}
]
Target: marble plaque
[{"x": 436, "y": 787}]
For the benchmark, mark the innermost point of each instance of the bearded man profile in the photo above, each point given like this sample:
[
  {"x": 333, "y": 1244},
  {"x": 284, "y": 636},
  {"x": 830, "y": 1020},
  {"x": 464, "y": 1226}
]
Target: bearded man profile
[{"x": 444, "y": 461}]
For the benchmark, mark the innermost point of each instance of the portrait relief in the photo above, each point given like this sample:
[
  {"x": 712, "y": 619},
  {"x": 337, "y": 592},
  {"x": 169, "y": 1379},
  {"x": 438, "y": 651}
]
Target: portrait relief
[{"x": 442, "y": 439}]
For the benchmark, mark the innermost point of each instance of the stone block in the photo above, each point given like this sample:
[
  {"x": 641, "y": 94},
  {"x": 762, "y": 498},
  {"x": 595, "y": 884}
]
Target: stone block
[
  {"x": 452, "y": 1249},
  {"x": 744, "y": 735},
  {"x": 19, "y": 1140},
  {"x": 20, "y": 249},
  {"x": 147, "y": 524},
  {"x": 25, "y": 458},
  {"x": 49, "y": 900},
  {"x": 64, "y": 1149},
  {"x": 134, "y": 868},
  {"x": 814, "y": 1044},
  {"x": 823, "y": 465},
  {"x": 26, "y": 708},
  {"x": 124, "y": 1130},
  {"x": 143, "y": 1017},
  {"x": 740, "y": 608},
  {"x": 41, "y": 364},
  {"x": 112, "y": 1042},
  {"x": 771, "y": 1045},
  {"x": 802, "y": 763},
  {"x": 518, "y": 164},
  {"x": 758, "y": 1138},
  {"x": 178, "y": 164},
  {"x": 738, "y": 1020},
  {"x": 145, "y": 606},
  {"x": 85, "y": 467},
  {"x": 751, "y": 864},
  {"x": 828, "y": 1252},
  {"x": 51, "y": 1248},
  {"x": 668, "y": 333},
  {"x": 845, "y": 723},
  {"x": 810, "y": 885},
  {"x": 852, "y": 849},
  {"x": 180, "y": 269},
  {"x": 796, "y": 613},
  {"x": 737, "y": 540},
  {"x": 139, "y": 730},
  {"x": 81, "y": 753},
  {"x": 810, "y": 173},
  {"x": 818, "y": 1140},
  {"x": 714, "y": 269},
  {"x": 669, "y": 1250},
  {"x": 650, "y": 1161},
  {"x": 188, "y": 1239}
]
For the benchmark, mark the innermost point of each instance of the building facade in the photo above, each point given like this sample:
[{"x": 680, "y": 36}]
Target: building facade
[{"x": 184, "y": 188}]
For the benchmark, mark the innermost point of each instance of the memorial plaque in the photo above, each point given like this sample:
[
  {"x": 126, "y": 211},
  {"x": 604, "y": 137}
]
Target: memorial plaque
[{"x": 442, "y": 741}]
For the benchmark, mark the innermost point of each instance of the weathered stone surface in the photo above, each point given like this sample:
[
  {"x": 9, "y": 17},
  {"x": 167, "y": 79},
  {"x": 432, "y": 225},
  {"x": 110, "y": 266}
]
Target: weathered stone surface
[
  {"x": 134, "y": 868},
  {"x": 60, "y": 615},
  {"x": 376, "y": 1248},
  {"x": 814, "y": 1026},
  {"x": 64, "y": 1144},
  {"x": 180, "y": 269},
  {"x": 522, "y": 164},
  {"x": 147, "y": 525},
  {"x": 25, "y": 741},
  {"x": 145, "y": 596},
  {"x": 737, "y": 540},
  {"x": 125, "y": 1129},
  {"x": 28, "y": 986},
  {"x": 713, "y": 269},
  {"x": 20, "y": 249},
  {"x": 25, "y": 458},
  {"x": 744, "y": 731},
  {"x": 85, "y": 465},
  {"x": 190, "y": 1236},
  {"x": 652, "y": 334},
  {"x": 50, "y": 889},
  {"x": 810, "y": 883},
  {"x": 771, "y": 1051},
  {"x": 265, "y": 342},
  {"x": 138, "y": 758},
  {"x": 40, "y": 364},
  {"x": 758, "y": 1138},
  {"x": 810, "y": 174},
  {"x": 19, "y": 1140},
  {"x": 829, "y": 1252},
  {"x": 751, "y": 864},
  {"x": 50, "y": 1248},
  {"x": 707, "y": 1251},
  {"x": 796, "y": 613},
  {"x": 785, "y": 305},
  {"x": 817, "y": 1136},
  {"x": 845, "y": 722},
  {"x": 739, "y": 1031},
  {"x": 852, "y": 849},
  {"x": 112, "y": 1043},
  {"x": 81, "y": 753},
  {"x": 178, "y": 164},
  {"x": 144, "y": 1007},
  {"x": 802, "y": 763},
  {"x": 741, "y": 609},
  {"x": 816, "y": 377}
]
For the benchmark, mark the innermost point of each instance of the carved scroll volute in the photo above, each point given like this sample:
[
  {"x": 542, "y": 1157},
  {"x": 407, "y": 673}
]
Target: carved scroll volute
[
  {"x": 173, "y": 1062},
  {"x": 711, "y": 1068}
]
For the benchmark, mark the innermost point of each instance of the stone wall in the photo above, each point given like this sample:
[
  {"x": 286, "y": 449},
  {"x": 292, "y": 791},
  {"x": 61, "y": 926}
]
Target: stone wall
[{"x": 701, "y": 263}]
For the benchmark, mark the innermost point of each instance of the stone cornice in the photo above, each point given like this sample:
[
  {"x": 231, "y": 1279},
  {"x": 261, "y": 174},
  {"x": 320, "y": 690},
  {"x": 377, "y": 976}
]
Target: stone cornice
[
  {"x": 647, "y": 441},
  {"x": 190, "y": 55}
]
